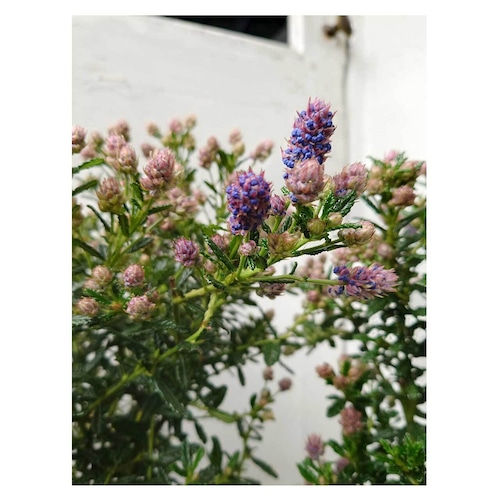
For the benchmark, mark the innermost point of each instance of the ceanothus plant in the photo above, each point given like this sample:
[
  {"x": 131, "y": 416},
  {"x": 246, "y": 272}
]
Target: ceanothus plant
[{"x": 167, "y": 256}]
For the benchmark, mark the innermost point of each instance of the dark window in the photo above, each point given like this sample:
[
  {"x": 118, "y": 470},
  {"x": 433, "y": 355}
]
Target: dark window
[{"x": 271, "y": 27}]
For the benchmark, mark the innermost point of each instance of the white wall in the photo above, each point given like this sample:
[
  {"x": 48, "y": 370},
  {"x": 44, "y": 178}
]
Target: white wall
[{"x": 385, "y": 109}]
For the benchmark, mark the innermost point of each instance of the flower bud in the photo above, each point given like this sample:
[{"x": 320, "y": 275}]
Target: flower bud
[
  {"x": 305, "y": 181},
  {"x": 140, "y": 308},
  {"x": 316, "y": 226},
  {"x": 88, "y": 306},
  {"x": 285, "y": 384},
  {"x": 359, "y": 236},
  {"x": 78, "y": 139},
  {"x": 271, "y": 290},
  {"x": 187, "y": 252},
  {"x": 283, "y": 243},
  {"x": 110, "y": 196},
  {"x": 102, "y": 275},
  {"x": 268, "y": 373},
  {"x": 248, "y": 248},
  {"x": 133, "y": 276},
  {"x": 314, "y": 446}
]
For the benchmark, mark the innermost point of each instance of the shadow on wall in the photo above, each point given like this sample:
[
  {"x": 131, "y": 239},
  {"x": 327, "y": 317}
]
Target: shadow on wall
[{"x": 270, "y": 27}]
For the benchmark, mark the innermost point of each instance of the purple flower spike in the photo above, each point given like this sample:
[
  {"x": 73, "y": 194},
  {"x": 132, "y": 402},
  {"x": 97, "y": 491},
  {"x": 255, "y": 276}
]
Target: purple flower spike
[
  {"x": 310, "y": 138},
  {"x": 248, "y": 201},
  {"x": 364, "y": 282}
]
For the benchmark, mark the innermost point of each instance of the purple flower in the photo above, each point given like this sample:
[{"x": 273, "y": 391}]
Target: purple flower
[
  {"x": 187, "y": 252},
  {"x": 306, "y": 181},
  {"x": 248, "y": 201},
  {"x": 311, "y": 134},
  {"x": 314, "y": 446},
  {"x": 363, "y": 282}
]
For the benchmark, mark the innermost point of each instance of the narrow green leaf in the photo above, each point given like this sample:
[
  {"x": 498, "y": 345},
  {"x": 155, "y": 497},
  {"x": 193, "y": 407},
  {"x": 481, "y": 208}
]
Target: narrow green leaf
[
  {"x": 84, "y": 187},
  {"x": 222, "y": 415},
  {"x": 200, "y": 452},
  {"x": 173, "y": 404},
  {"x": 241, "y": 375},
  {"x": 264, "y": 466},
  {"x": 88, "y": 164},
  {"x": 139, "y": 244},
  {"x": 200, "y": 431},
  {"x": 161, "y": 208},
  {"x": 219, "y": 253},
  {"x": 123, "y": 220},
  {"x": 98, "y": 215},
  {"x": 137, "y": 189},
  {"x": 87, "y": 248}
]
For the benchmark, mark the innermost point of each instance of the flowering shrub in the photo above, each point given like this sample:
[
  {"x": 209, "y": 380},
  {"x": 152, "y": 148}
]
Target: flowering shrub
[
  {"x": 167, "y": 256},
  {"x": 378, "y": 393}
]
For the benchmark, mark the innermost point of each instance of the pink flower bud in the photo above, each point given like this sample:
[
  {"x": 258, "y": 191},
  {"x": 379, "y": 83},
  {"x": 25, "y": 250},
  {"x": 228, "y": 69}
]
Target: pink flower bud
[
  {"x": 305, "y": 181},
  {"x": 102, "y": 275},
  {"x": 314, "y": 446},
  {"x": 78, "y": 139},
  {"x": 140, "y": 308},
  {"x": 359, "y": 236},
  {"x": 110, "y": 196},
  {"x": 133, "y": 276},
  {"x": 285, "y": 384},
  {"x": 88, "y": 306}
]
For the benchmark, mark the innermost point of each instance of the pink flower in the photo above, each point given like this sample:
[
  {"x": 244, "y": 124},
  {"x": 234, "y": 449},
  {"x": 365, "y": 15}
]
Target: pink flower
[
  {"x": 315, "y": 446},
  {"x": 350, "y": 420},
  {"x": 140, "y": 308},
  {"x": 161, "y": 171},
  {"x": 133, "y": 276},
  {"x": 187, "y": 252},
  {"x": 305, "y": 181}
]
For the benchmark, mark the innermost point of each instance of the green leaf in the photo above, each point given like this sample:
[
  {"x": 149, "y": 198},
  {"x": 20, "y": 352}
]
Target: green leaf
[
  {"x": 139, "y": 244},
  {"x": 264, "y": 466},
  {"x": 161, "y": 208},
  {"x": 219, "y": 253},
  {"x": 215, "y": 397},
  {"x": 307, "y": 473},
  {"x": 241, "y": 375},
  {"x": 84, "y": 187},
  {"x": 216, "y": 453},
  {"x": 200, "y": 431},
  {"x": 88, "y": 164},
  {"x": 271, "y": 351},
  {"x": 98, "y": 215},
  {"x": 171, "y": 401},
  {"x": 200, "y": 452},
  {"x": 123, "y": 220},
  {"x": 222, "y": 415},
  {"x": 87, "y": 248},
  {"x": 335, "y": 408}
]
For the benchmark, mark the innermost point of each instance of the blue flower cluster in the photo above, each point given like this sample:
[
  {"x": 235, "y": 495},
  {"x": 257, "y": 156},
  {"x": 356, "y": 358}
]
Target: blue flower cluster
[
  {"x": 248, "y": 201},
  {"x": 310, "y": 137}
]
